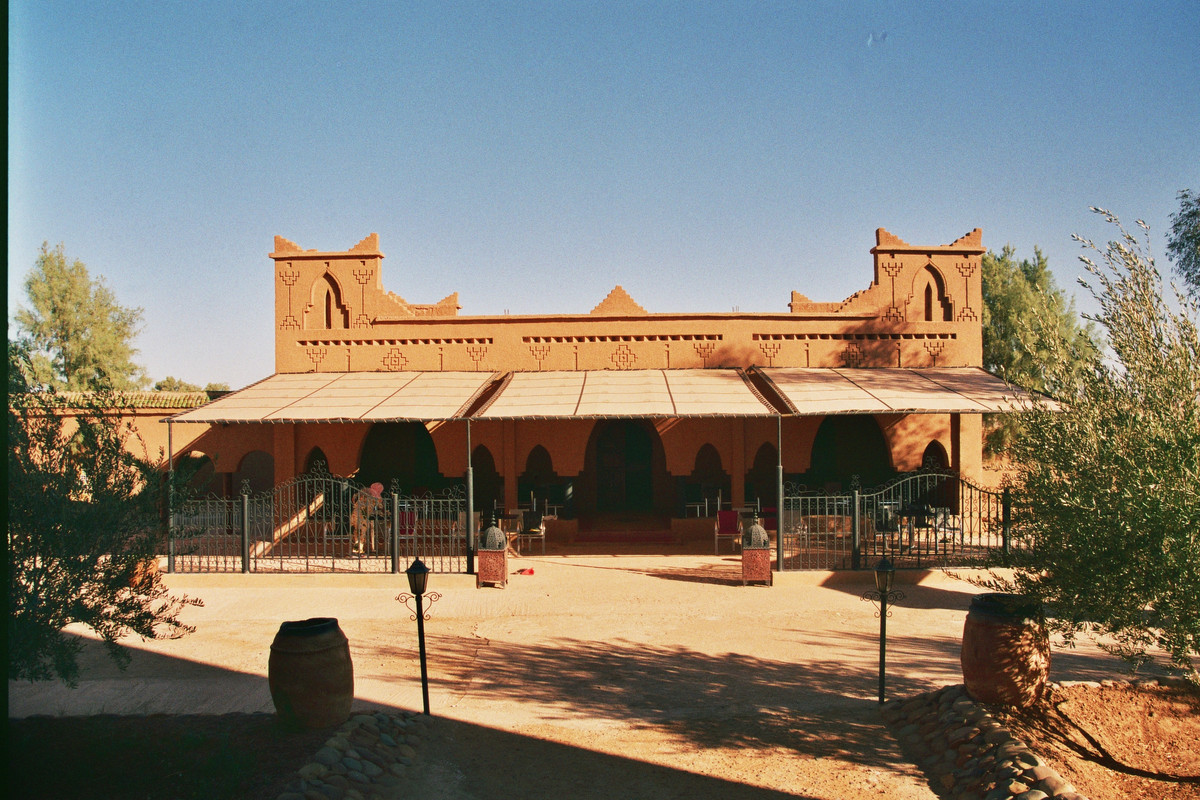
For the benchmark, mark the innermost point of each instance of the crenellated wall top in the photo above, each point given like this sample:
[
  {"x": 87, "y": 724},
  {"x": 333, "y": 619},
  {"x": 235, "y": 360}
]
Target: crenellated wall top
[{"x": 921, "y": 309}]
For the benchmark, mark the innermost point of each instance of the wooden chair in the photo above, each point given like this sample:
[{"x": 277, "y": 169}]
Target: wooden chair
[{"x": 728, "y": 526}]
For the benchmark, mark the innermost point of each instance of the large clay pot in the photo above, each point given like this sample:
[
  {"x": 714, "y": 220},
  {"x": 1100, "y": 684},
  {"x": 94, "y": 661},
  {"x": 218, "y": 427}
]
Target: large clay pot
[
  {"x": 1005, "y": 650},
  {"x": 311, "y": 674}
]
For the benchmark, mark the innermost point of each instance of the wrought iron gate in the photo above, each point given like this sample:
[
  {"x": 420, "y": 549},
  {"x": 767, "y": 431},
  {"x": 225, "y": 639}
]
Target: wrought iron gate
[
  {"x": 929, "y": 518},
  {"x": 320, "y": 523}
]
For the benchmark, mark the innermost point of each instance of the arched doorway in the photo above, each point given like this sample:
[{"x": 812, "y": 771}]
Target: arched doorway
[
  {"x": 258, "y": 470},
  {"x": 935, "y": 457},
  {"x": 403, "y": 452},
  {"x": 626, "y": 469},
  {"x": 708, "y": 484},
  {"x": 489, "y": 486},
  {"x": 197, "y": 474},
  {"x": 539, "y": 483},
  {"x": 762, "y": 479},
  {"x": 316, "y": 462},
  {"x": 848, "y": 446}
]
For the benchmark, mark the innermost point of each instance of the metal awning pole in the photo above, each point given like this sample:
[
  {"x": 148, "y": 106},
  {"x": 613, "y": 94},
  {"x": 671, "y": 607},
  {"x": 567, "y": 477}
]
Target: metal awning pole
[
  {"x": 470, "y": 505},
  {"x": 779, "y": 497},
  {"x": 170, "y": 500}
]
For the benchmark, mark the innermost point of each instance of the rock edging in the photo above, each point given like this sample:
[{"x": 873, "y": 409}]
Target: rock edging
[
  {"x": 967, "y": 754},
  {"x": 367, "y": 758}
]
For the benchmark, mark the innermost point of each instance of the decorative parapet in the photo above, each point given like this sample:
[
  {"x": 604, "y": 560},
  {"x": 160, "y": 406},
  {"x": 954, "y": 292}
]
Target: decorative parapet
[{"x": 618, "y": 303}]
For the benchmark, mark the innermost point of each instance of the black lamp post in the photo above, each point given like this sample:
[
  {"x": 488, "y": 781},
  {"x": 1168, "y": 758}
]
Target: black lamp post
[
  {"x": 418, "y": 579},
  {"x": 883, "y": 593}
]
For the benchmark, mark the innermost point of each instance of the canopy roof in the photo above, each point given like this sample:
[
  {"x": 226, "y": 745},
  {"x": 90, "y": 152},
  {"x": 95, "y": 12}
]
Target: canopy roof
[
  {"x": 626, "y": 393},
  {"x": 598, "y": 394},
  {"x": 347, "y": 397},
  {"x": 935, "y": 390}
]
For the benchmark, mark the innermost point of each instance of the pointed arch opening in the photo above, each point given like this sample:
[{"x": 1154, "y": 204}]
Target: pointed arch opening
[
  {"x": 539, "y": 484},
  {"x": 936, "y": 306},
  {"x": 709, "y": 484},
  {"x": 325, "y": 310},
  {"x": 316, "y": 463},
  {"x": 625, "y": 474},
  {"x": 257, "y": 469},
  {"x": 848, "y": 447},
  {"x": 761, "y": 488},
  {"x": 403, "y": 452},
  {"x": 489, "y": 485}
]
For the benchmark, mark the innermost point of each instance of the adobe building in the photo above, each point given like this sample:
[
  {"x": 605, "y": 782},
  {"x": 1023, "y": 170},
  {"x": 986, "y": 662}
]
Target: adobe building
[{"x": 618, "y": 412}]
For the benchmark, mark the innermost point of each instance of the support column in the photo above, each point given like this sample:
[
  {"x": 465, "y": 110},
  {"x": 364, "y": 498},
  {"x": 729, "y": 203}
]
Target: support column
[
  {"x": 283, "y": 440},
  {"x": 737, "y": 469},
  {"x": 966, "y": 442},
  {"x": 470, "y": 506},
  {"x": 779, "y": 496},
  {"x": 510, "y": 473}
]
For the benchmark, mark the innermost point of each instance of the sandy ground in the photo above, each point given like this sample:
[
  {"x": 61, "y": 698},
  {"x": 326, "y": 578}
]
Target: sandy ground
[{"x": 644, "y": 675}]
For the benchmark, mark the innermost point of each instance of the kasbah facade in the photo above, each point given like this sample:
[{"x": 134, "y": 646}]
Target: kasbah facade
[{"x": 332, "y": 315}]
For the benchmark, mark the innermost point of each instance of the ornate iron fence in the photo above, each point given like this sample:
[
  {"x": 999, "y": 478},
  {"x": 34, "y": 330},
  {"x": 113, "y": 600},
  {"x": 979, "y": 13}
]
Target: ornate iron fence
[
  {"x": 319, "y": 523},
  {"x": 928, "y": 518}
]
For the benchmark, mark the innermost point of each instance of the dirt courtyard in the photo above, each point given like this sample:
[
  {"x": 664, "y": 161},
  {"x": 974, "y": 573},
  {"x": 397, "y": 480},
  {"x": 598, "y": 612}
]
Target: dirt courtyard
[{"x": 646, "y": 675}]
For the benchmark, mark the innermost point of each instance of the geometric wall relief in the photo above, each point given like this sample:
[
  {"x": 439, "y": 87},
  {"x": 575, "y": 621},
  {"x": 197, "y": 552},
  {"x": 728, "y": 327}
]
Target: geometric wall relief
[
  {"x": 934, "y": 348},
  {"x": 623, "y": 358},
  {"x": 967, "y": 270},
  {"x": 540, "y": 352},
  {"x": 394, "y": 361},
  {"x": 770, "y": 351},
  {"x": 316, "y": 355},
  {"x": 853, "y": 356},
  {"x": 362, "y": 276},
  {"x": 288, "y": 278},
  {"x": 705, "y": 350},
  {"x": 477, "y": 353},
  {"x": 892, "y": 269}
]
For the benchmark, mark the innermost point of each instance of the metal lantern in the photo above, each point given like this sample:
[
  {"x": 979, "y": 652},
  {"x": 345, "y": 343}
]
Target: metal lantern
[
  {"x": 755, "y": 537},
  {"x": 418, "y": 577},
  {"x": 884, "y": 574},
  {"x": 493, "y": 539}
]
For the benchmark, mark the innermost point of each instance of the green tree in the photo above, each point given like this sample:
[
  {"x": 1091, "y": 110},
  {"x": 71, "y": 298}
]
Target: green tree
[
  {"x": 1016, "y": 296},
  {"x": 83, "y": 524},
  {"x": 80, "y": 337},
  {"x": 1183, "y": 242},
  {"x": 173, "y": 384},
  {"x": 1109, "y": 485}
]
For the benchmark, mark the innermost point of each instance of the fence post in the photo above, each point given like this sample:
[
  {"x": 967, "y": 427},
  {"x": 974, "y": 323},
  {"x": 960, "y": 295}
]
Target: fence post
[
  {"x": 856, "y": 521},
  {"x": 395, "y": 533},
  {"x": 1006, "y": 521},
  {"x": 245, "y": 532}
]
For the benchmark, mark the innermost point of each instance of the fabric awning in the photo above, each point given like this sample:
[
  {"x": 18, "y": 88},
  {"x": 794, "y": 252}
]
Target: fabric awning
[
  {"x": 935, "y": 390},
  {"x": 632, "y": 393},
  {"x": 347, "y": 397},
  {"x": 600, "y": 394}
]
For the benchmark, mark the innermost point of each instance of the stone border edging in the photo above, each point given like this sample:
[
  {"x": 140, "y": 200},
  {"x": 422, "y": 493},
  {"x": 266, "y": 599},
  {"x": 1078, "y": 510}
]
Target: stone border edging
[
  {"x": 367, "y": 757},
  {"x": 967, "y": 754}
]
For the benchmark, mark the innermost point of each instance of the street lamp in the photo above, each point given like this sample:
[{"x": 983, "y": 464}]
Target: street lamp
[
  {"x": 418, "y": 579},
  {"x": 883, "y": 593}
]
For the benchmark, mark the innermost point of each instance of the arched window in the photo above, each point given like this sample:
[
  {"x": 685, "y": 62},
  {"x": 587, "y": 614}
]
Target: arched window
[
  {"x": 936, "y": 304},
  {"x": 326, "y": 310}
]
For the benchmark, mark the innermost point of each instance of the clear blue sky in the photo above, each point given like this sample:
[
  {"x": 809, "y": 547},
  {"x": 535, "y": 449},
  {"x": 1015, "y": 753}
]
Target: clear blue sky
[{"x": 530, "y": 156}]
